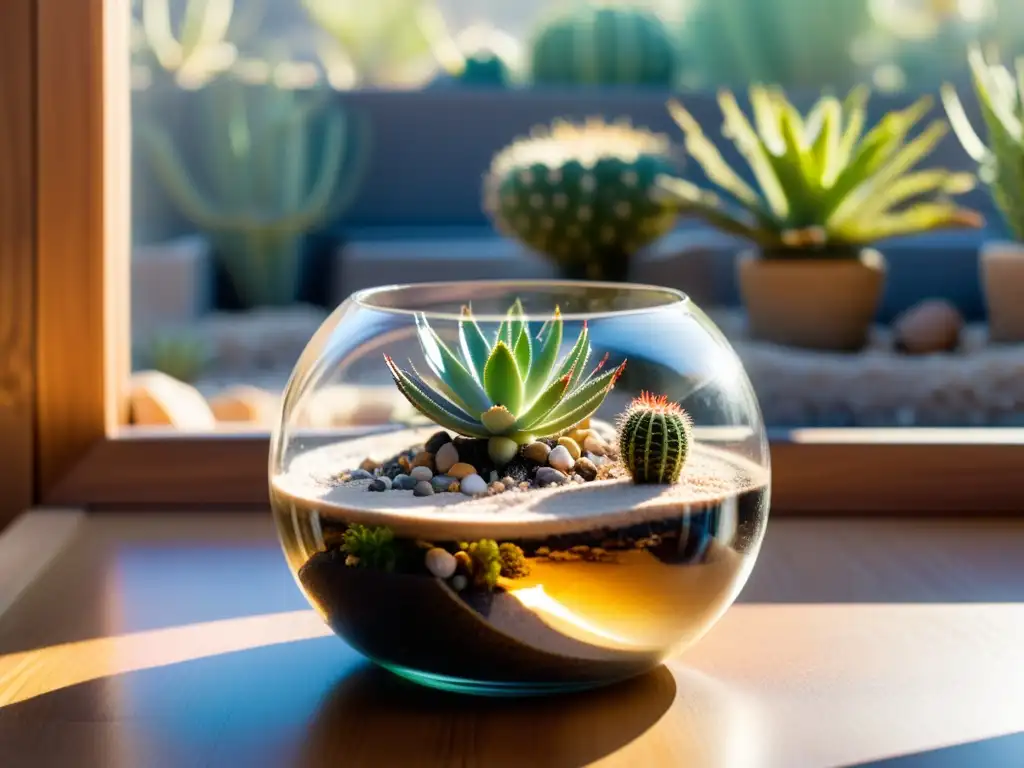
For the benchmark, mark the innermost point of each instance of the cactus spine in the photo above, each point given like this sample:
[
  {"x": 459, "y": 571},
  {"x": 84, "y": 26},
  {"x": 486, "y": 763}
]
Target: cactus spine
[
  {"x": 616, "y": 44},
  {"x": 583, "y": 195},
  {"x": 654, "y": 439},
  {"x": 279, "y": 163}
]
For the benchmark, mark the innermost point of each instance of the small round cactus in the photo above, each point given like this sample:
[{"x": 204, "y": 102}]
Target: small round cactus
[
  {"x": 613, "y": 44},
  {"x": 583, "y": 195},
  {"x": 654, "y": 439}
]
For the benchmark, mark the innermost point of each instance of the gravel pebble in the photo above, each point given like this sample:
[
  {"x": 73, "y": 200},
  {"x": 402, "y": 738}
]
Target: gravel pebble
[
  {"x": 585, "y": 468},
  {"x": 403, "y": 483},
  {"x": 436, "y": 441},
  {"x": 423, "y": 488},
  {"x": 360, "y": 474},
  {"x": 421, "y": 473},
  {"x": 560, "y": 459},
  {"x": 440, "y": 563},
  {"x": 440, "y": 483},
  {"x": 381, "y": 484},
  {"x": 473, "y": 484},
  {"x": 461, "y": 470},
  {"x": 459, "y": 582},
  {"x": 595, "y": 445},
  {"x": 550, "y": 476},
  {"x": 423, "y": 459},
  {"x": 537, "y": 452},
  {"x": 447, "y": 456},
  {"x": 571, "y": 446}
]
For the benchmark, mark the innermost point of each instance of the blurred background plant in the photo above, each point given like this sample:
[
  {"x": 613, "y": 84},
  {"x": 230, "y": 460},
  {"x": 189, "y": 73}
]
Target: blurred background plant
[
  {"x": 178, "y": 352},
  {"x": 275, "y": 163},
  {"x": 582, "y": 195},
  {"x": 808, "y": 44},
  {"x": 917, "y": 44},
  {"x": 604, "y": 44},
  {"x": 380, "y": 43}
]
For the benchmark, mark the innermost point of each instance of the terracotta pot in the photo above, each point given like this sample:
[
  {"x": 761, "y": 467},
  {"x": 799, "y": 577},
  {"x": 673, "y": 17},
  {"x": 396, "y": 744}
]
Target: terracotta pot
[
  {"x": 825, "y": 304},
  {"x": 1002, "y": 277}
]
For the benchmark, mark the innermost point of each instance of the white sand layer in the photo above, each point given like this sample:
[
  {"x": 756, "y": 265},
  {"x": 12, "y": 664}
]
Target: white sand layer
[{"x": 712, "y": 476}]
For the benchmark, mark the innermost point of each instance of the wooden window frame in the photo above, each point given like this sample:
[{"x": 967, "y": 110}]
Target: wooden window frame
[{"x": 64, "y": 251}]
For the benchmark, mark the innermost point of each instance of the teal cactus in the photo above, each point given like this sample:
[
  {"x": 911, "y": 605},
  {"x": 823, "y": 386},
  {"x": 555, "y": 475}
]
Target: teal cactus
[
  {"x": 510, "y": 390},
  {"x": 1001, "y": 160},
  {"x": 605, "y": 45},
  {"x": 654, "y": 439},
  {"x": 583, "y": 195},
  {"x": 791, "y": 43},
  {"x": 478, "y": 57},
  {"x": 277, "y": 163}
]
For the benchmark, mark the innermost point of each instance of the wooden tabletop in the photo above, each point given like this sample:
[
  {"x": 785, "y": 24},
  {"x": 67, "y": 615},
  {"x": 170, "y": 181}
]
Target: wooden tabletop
[{"x": 179, "y": 640}]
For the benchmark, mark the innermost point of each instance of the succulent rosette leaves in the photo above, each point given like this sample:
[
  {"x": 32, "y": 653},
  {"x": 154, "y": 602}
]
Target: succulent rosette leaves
[{"x": 511, "y": 388}]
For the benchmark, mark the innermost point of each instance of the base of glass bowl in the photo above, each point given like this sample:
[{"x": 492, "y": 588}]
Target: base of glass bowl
[{"x": 493, "y": 689}]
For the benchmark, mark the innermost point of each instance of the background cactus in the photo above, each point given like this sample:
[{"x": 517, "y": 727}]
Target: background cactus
[
  {"x": 1001, "y": 161},
  {"x": 582, "y": 194},
  {"x": 598, "y": 44},
  {"x": 278, "y": 163},
  {"x": 654, "y": 439},
  {"x": 185, "y": 40},
  {"x": 792, "y": 43},
  {"x": 479, "y": 56},
  {"x": 182, "y": 354}
]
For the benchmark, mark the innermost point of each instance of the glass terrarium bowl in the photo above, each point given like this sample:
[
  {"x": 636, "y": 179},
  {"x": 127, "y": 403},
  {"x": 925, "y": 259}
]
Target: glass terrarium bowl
[{"x": 576, "y": 487}]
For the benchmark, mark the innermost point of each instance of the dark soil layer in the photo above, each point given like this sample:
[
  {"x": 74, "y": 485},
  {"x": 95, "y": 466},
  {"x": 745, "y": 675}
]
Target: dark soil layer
[{"x": 419, "y": 623}]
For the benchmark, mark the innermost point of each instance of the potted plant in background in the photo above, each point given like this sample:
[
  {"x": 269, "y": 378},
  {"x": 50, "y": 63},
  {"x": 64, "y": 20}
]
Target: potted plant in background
[
  {"x": 277, "y": 163},
  {"x": 582, "y": 195},
  {"x": 825, "y": 191},
  {"x": 1001, "y": 167}
]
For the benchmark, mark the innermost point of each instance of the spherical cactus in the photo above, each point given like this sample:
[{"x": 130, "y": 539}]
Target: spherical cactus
[
  {"x": 654, "y": 439},
  {"x": 583, "y": 195},
  {"x": 615, "y": 44}
]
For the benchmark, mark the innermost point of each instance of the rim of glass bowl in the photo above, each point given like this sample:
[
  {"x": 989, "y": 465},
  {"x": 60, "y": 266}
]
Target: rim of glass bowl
[{"x": 670, "y": 297}]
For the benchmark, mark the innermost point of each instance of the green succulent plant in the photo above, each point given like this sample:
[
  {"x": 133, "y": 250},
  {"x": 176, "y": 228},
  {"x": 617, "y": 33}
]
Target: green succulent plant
[
  {"x": 824, "y": 186},
  {"x": 654, "y": 439},
  {"x": 511, "y": 389},
  {"x": 604, "y": 44},
  {"x": 1001, "y": 161},
  {"x": 582, "y": 194}
]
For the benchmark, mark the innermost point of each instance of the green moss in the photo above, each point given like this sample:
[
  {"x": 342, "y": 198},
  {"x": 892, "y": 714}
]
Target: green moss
[
  {"x": 513, "y": 561},
  {"x": 370, "y": 547},
  {"x": 486, "y": 559}
]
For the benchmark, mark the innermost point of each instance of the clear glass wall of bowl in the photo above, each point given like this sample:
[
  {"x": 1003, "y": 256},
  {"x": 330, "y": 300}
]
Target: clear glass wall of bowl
[{"x": 572, "y": 556}]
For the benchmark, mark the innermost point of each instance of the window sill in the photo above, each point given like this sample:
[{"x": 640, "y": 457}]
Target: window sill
[{"x": 814, "y": 471}]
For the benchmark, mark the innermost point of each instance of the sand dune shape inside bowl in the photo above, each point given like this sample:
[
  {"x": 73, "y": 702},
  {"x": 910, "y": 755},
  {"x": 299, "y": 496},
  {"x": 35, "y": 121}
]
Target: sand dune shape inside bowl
[{"x": 420, "y": 623}]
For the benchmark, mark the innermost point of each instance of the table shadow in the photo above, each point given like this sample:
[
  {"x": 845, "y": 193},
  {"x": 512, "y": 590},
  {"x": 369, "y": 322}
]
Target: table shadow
[{"x": 371, "y": 717}]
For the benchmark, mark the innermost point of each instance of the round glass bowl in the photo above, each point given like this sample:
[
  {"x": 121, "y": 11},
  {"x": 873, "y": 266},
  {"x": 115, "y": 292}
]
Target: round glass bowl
[{"x": 570, "y": 482}]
